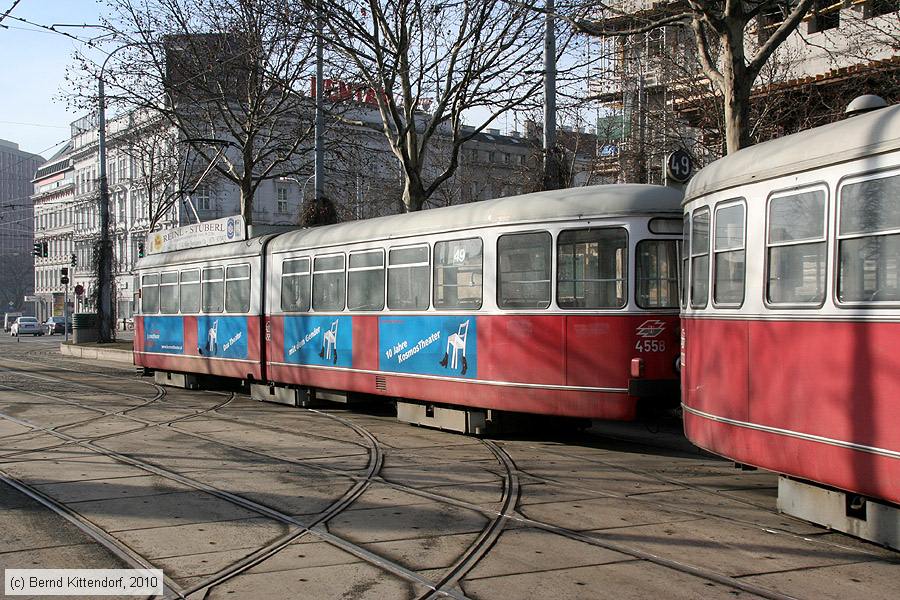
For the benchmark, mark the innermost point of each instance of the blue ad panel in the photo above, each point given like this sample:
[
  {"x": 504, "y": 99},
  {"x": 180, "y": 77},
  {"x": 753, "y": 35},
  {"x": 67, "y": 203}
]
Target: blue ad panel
[
  {"x": 164, "y": 334},
  {"x": 222, "y": 337},
  {"x": 429, "y": 345},
  {"x": 315, "y": 340}
]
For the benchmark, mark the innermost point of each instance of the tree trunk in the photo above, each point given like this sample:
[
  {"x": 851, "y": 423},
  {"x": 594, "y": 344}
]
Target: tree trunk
[
  {"x": 413, "y": 194},
  {"x": 737, "y": 116},
  {"x": 247, "y": 200},
  {"x": 736, "y": 87}
]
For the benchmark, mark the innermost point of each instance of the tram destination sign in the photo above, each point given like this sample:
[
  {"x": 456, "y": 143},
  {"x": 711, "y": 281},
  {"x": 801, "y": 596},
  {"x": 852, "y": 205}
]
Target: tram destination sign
[{"x": 206, "y": 233}]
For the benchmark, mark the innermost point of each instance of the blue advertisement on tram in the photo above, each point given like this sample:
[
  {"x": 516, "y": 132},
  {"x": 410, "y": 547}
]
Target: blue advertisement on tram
[
  {"x": 319, "y": 340},
  {"x": 429, "y": 345},
  {"x": 163, "y": 334},
  {"x": 222, "y": 337}
]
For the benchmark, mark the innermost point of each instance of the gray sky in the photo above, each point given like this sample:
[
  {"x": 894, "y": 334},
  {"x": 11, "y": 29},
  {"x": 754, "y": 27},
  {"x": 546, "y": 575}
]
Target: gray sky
[{"x": 32, "y": 70}]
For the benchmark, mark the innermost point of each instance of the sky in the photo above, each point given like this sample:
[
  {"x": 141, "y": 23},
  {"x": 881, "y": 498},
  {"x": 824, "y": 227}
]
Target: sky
[{"x": 32, "y": 71}]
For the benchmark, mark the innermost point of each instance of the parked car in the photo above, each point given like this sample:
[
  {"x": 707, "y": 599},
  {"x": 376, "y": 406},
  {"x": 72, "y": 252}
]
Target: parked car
[
  {"x": 26, "y": 325},
  {"x": 57, "y": 325}
]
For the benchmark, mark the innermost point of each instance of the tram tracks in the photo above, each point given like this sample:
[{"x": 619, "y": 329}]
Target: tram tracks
[
  {"x": 315, "y": 527},
  {"x": 444, "y": 586},
  {"x": 686, "y": 485}
]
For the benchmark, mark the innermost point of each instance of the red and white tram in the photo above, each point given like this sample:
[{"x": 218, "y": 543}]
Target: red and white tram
[
  {"x": 791, "y": 318},
  {"x": 559, "y": 303}
]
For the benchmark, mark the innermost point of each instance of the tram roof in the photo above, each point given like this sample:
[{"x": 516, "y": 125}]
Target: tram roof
[
  {"x": 871, "y": 133},
  {"x": 581, "y": 202},
  {"x": 241, "y": 249}
]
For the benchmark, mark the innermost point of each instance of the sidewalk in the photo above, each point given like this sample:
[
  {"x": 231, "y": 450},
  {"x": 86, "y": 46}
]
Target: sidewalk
[{"x": 119, "y": 351}]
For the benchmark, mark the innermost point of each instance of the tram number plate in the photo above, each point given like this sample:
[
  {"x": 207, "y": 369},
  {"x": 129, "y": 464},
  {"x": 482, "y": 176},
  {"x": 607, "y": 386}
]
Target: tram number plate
[{"x": 650, "y": 346}]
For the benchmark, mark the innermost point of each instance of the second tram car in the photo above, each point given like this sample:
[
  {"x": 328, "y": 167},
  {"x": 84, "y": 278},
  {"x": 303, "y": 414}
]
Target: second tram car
[
  {"x": 559, "y": 303},
  {"x": 791, "y": 318}
]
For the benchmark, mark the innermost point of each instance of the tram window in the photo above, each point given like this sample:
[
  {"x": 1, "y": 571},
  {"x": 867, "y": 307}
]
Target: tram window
[
  {"x": 150, "y": 294},
  {"x": 869, "y": 241},
  {"x": 523, "y": 261},
  {"x": 685, "y": 260},
  {"x": 656, "y": 274},
  {"x": 663, "y": 226},
  {"x": 408, "y": 272},
  {"x": 365, "y": 280},
  {"x": 700, "y": 258},
  {"x": 796, "y": 248},
  {"x": 190, "y": 291},
  {"x": 328, "y": 282},
  {"x": 295, "y": 285},
  {"x": 168, "y": 293},
  {"x": 458, "y": 274},
  {"x": 212, "y": 289},
  {"x": 592, "y": 268},
  {"x": 237, "y": 289},
  {"x": 730, "y": 256}
]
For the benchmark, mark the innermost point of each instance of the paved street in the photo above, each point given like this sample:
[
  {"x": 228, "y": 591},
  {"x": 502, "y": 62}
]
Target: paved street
[{"x": 234, "y": 498}]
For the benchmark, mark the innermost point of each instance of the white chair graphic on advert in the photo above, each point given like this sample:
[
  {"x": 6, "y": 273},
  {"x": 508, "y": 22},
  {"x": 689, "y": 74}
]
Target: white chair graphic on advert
[
  {"x": 458, "y": 342},
  {"x": 329, "y": 343},
  {"x": 212, "y": 344}
]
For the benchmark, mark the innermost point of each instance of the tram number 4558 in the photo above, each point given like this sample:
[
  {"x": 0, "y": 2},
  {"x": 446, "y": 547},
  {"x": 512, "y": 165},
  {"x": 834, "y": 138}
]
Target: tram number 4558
[{"x": 650, "y": 346}]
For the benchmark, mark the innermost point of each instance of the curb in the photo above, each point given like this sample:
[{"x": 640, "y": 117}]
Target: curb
[{"x": 93, "y": 352}]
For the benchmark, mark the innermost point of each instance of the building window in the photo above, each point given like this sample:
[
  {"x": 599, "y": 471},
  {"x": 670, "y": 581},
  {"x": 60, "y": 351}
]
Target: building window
[
  {"x": 201, "y": 198},
  {"x": 796, "y": 248},
  {"x": 869, "y": 240},
  {"x": 281, "y": 197},
  {"x": 826, "y": 14}
]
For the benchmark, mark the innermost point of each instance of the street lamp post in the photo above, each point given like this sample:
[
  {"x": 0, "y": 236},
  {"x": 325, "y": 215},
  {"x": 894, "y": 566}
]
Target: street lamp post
[{"x": 104, "y": 274}]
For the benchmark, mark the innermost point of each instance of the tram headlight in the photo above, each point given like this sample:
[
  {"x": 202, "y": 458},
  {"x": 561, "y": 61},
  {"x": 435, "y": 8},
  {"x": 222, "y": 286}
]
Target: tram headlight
[{"x": 678, "y": 364}]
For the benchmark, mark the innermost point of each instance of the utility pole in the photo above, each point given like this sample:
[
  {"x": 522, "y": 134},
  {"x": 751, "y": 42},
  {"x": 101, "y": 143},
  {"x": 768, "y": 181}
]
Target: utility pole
[
  {"x": 105, "y": 321},
  {"x": 104, "y": 276},
  {"x": 551, "y": 169},
  {"x": 320, "y": 116}
]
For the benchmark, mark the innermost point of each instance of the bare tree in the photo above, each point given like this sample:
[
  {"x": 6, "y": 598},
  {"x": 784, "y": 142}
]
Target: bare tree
[
  {"x": 430, "y": 65},
  {"x": 16, "y": 279},
  {"x": 721, "y": 35},
  {"x": 229, "y": 75},
  {"x": 163, "y": 170}
]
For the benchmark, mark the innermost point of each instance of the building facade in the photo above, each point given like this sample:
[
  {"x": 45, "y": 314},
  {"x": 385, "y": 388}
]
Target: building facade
[
  {"x": 656, "y": 98},
  {"x": 16, "y": 225},
  {"x": 150, "y": 188}
]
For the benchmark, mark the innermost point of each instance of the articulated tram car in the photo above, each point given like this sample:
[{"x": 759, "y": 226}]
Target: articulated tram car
[
  {"x": 200, "y": 311},
  {"x": 558, "y": 303},
  {"x": 791, "y": 318}
]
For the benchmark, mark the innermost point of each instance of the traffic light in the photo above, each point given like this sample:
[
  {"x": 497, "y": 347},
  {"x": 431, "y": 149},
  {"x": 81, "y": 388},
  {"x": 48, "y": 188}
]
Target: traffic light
[
  {"x": 45, "y": 249},
  {"x": 73, "y": 259},
  {"x": 64, "y": 276},
  {"x": 38, "y": 249},
  {"x": 140, "y": 249}
]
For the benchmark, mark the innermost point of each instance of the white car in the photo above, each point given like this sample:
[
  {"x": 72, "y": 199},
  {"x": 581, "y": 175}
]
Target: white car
[{"x": 26, "y": 325}]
